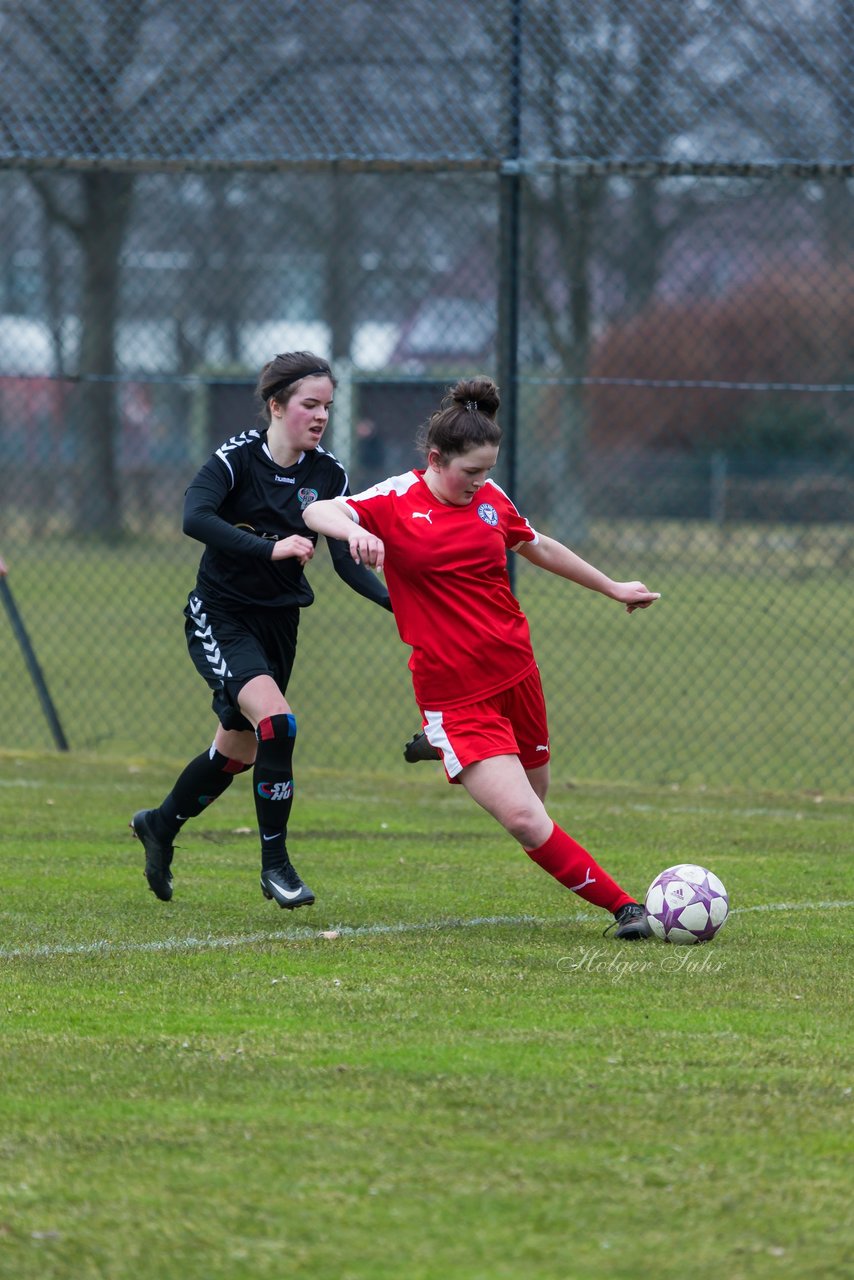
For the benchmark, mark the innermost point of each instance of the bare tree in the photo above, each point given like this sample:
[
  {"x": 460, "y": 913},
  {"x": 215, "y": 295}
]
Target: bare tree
[
  {"x": 98, "y": 225},
  {"x": 818, "y": 68},
  {"x": 98, "y": 91},
  {"x": 109, "y": 82},
  {"x": 59, "y": 54},
  {"x": 590, "y": 73},
  {"x": 106, "y": 88}
]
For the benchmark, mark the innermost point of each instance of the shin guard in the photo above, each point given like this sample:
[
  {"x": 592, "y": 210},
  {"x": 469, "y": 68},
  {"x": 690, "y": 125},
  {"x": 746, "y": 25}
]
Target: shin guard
[
  {"x": 572, "y": 866},
  {"x": 273, "y": 784},
  {"x": 202, "y": 781}
]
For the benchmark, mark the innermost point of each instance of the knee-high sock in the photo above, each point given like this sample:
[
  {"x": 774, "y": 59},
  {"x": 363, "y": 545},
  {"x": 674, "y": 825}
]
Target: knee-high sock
[
  {"x": 273, "y": 784},
  {"x": 573, "y": 866},
  {"x": 202, "y": 781}
]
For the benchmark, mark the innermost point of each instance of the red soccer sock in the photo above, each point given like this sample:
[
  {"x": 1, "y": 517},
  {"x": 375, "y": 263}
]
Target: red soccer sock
[{"x": 572, "y": 865}]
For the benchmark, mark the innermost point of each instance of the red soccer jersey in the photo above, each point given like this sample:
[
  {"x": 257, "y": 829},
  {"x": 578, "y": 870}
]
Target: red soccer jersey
[{"x": 446, "y": 570}]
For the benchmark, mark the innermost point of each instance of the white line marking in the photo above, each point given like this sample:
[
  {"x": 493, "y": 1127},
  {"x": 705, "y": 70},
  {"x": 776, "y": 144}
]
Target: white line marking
[
  {"x": 106, "y": 947},
  {"x": 793, "y": 906}
]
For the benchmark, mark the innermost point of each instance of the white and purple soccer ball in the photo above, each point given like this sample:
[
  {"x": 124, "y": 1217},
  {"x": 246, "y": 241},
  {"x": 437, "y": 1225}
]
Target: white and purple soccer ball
[{"x": 686, "y": 904}]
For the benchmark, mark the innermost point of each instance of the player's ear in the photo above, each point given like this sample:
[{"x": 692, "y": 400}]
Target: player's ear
[{"x": 435, "y": 459}]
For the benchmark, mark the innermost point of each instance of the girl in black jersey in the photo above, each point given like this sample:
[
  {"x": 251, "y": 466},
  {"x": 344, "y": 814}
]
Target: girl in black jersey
[{"x": 246, "y": 505}]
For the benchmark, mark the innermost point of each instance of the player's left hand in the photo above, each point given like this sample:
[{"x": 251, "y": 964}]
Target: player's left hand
[
  {"x": 293, "y": 547},
  {"x": 634, "y": 595}
]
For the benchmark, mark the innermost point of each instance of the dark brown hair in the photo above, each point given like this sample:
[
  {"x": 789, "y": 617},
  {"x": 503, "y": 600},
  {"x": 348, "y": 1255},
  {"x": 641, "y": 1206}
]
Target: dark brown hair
[
  {"x": 280, "y": 377},
  {"x": 465, "y": 419}
]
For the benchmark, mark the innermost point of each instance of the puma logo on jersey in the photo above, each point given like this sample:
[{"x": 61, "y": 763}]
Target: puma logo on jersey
[{"x": 422, "y": 515}]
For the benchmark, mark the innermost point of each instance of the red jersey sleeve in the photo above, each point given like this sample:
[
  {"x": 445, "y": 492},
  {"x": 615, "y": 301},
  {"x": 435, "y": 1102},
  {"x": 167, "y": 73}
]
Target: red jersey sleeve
[
  {"x": 374, "y": 507},
  {"x": 517, "y": 530}
]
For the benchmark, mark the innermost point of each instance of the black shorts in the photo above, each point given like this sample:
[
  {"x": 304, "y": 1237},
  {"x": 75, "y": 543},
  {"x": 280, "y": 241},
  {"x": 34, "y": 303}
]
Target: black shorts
[{"x": 229, "y": 651}]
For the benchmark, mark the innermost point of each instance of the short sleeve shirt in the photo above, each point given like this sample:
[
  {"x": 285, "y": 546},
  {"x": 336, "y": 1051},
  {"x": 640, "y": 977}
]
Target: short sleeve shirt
[{"x": 446, "y": 570}]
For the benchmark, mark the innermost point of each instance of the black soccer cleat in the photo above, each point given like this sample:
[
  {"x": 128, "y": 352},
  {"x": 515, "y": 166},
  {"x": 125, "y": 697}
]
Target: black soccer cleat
[
  {"x": 631, "y": 923},
  {"x": 158, "y": 854},
  {"x": 418, "y": 748},
  {"x": 284, "y": 886}
]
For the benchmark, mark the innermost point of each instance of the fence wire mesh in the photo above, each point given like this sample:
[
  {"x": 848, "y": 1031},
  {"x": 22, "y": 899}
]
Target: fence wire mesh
[{"x": 642, "y": 226}]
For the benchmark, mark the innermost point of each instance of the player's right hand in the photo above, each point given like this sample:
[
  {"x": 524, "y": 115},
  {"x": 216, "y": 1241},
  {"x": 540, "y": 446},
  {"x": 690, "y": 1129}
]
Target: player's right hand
[
  {"x": 293, "y": 548},
  {"x": 366, "y": 548}
]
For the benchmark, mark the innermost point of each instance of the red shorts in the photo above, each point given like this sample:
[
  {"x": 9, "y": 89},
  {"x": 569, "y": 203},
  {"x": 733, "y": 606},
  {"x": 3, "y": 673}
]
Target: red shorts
[{"x": 510, "y": 723}]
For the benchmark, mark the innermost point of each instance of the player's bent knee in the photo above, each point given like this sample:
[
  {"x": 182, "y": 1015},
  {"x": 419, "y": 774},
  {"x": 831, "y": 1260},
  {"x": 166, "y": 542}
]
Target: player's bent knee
[
  {"x": 238, "y": 766},
  {"x": 236, "y": 746},
  {"x": 523, "y": 823},
  {"x": 278, "y": 728}
]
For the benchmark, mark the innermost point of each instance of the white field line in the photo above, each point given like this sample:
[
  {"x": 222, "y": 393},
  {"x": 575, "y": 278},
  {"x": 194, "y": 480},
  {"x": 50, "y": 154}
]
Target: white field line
[{"x": 106, "y": 947}]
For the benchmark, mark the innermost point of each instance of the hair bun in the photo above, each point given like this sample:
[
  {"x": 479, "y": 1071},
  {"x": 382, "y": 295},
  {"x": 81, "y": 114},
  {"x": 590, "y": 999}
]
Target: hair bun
[{"x": 479, "y": 394}]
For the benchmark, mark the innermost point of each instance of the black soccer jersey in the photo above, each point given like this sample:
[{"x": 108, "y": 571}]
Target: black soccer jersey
[{"x": 240, "y": 503}]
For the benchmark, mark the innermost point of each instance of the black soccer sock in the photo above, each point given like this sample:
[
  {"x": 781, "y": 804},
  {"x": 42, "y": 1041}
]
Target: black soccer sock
[
  {"x": 273, "y": 785},
  {"x": 202, "y": 781}
]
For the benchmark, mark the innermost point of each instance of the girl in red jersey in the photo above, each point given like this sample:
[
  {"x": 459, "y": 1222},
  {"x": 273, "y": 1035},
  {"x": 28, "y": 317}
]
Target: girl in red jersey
[{"x": 441, "y": 536}]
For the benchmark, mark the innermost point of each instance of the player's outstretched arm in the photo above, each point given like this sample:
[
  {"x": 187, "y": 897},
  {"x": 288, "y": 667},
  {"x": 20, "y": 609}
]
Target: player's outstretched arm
[
  {"x": 549, "y": 554},
  {"x": 336, "y": 520}
]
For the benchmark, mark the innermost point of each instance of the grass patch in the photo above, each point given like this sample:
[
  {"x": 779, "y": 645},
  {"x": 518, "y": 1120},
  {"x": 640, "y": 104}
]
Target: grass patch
[{"x": 469, "y": 1081}]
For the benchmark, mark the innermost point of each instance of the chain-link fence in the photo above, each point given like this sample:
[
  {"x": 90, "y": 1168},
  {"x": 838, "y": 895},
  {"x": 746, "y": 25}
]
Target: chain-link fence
[{"x": 639, "y": 221}]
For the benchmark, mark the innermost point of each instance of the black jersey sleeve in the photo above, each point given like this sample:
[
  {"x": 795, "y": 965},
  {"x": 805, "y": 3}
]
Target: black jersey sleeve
[
  {"x": 358, "y": 576},
  {"x": 202, "y": 501},
  {"x": 363, "y": 580}
]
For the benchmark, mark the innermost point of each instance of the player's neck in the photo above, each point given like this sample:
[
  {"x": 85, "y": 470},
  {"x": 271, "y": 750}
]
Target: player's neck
[
  {"x": 435, "y": 487},
  {"x": 283, "y": 453}
]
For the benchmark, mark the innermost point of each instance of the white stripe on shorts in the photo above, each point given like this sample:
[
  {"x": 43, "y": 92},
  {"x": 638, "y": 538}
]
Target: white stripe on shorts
[{"x": 436, "y": 736}]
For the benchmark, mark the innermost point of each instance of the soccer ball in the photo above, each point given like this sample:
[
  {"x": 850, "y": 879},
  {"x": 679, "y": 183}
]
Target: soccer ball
[{"x": 686, "y": 904}]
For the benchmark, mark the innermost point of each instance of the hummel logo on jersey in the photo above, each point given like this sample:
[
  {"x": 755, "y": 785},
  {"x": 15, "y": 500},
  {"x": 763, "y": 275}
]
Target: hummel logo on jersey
[
  {"x": 204, "y": 633},
  {"x": 285, "y": 479},
  {"x": 422, "y": 515},
  {"x": 235, "y": 442}
]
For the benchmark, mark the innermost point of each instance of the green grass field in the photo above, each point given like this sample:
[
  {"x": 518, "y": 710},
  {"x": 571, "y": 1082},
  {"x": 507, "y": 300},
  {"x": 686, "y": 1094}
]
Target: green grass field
[{"x": 469, "y": 1081}]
